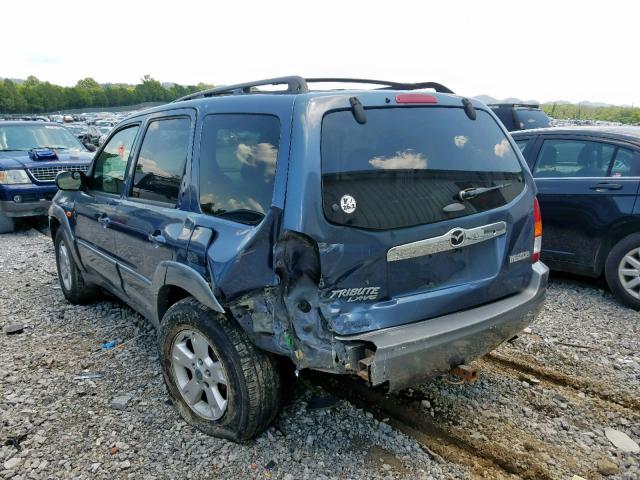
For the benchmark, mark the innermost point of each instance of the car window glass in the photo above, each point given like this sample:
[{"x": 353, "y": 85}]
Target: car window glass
[
  {"x": 622, "y": 163},
  {"x": 237, "y": 165},
  {"x": 110, "y": 166},
  {"x": 573, "y": 158},
  {"x": 405, "y": 165},
  {"x": 161, "y": 161},
  {"x": 522, "y": 144},
  {"x": 531, "y": 118}
]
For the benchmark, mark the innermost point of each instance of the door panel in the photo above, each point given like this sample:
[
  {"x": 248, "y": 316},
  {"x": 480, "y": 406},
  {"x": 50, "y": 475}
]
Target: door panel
[
  {"x": 95, "y": 237},
  {"x": 149, "y": 227},
  {"x": 576, "y": 214},
  {"x": 96, "y": 208},
  {"x": 145, "y": 236}
]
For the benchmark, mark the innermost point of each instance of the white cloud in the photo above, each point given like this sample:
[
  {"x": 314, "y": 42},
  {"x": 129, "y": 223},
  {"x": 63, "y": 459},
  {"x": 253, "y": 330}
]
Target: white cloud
[
  {"x": 407, "y": 159},
  {"x": 261, "y": 153},
  {"x": 500, "y": 149},
  {"x": 460, "y": 141}
]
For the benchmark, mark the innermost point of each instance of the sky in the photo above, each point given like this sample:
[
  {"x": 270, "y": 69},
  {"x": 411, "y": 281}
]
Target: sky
[{"x": 535, "y": 50}]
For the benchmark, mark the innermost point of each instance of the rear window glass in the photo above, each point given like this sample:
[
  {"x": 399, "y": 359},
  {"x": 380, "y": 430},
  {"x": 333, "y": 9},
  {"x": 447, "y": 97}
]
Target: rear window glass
[
  {"x": 623, "y": 164},
  {"x": 407, "y": 166},
  {"x": 531, "y": 118},
  {"x": 238, "y": 164}
]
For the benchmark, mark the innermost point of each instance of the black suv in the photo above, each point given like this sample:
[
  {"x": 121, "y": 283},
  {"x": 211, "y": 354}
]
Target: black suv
[
  {"x": 387, "y": 233},
  {"x": 519, "y": 116}
]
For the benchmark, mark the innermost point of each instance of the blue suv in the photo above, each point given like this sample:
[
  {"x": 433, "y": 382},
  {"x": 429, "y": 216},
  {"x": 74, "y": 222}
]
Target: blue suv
[
  {"x": 386, "y": 233},
  {"x": 32, "y": 153}
]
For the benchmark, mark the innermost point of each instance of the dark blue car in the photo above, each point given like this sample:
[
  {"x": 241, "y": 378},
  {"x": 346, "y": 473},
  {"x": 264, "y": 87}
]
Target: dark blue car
[
  {"x": 387, "y": 233},
  {"x": 32, "y": 153},
  {"x": 588, "y": 180}
]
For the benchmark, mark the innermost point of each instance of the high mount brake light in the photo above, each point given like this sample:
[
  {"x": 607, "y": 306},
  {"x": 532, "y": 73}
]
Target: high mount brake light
[
  {"x": 537, "y": 231},
  {"x": 415, "y": 98}
]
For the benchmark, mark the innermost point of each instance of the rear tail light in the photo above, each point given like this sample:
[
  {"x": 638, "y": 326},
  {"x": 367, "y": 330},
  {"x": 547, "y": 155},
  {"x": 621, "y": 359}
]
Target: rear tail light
[{"x": 537, "y": 231}]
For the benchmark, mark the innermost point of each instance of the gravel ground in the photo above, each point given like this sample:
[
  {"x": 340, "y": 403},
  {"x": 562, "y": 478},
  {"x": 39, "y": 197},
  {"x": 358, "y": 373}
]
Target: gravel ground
[{"x": 535, "y": 425}]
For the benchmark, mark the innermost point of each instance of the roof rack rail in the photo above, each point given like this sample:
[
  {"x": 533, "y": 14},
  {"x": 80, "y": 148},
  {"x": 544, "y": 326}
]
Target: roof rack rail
[
  {"x": 388, "y": 85},
  {"x": 502, "y": 104},
  {"x": 296, "y": 85}
]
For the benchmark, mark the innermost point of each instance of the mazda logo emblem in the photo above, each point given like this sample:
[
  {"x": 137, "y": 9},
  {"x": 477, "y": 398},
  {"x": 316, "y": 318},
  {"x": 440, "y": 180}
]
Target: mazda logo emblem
[{"x": 457, "y": 237}]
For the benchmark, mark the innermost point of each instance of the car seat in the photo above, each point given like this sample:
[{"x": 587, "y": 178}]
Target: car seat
[
  {"x": 548, "y": 162},
  {"x": 590, "y": 162}
]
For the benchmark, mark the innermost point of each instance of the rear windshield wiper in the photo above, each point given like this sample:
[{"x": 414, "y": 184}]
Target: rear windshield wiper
[
  {"x": 12, "y": 150},
  {"x": 242, "y": 215},
  {"x": 473, "y": 192}
]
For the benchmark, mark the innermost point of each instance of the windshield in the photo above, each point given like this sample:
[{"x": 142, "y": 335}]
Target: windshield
[
  {"x": 407, "y": 166},
  {"x": 26, "y": 137},
  {"x": 531, "y": 118}
]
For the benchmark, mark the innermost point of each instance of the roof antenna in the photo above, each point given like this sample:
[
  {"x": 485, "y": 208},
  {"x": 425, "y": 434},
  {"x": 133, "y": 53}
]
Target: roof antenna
[
  {"x": 469, "y": 108},
  {"x": 358, "y": 111}
]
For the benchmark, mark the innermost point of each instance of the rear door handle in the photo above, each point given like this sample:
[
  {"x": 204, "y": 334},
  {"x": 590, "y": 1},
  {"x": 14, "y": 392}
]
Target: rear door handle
[
  {"x": 157, "y": 238},
  {"x": 104, "y": 220},
  {"x": 606, "y": 186}
]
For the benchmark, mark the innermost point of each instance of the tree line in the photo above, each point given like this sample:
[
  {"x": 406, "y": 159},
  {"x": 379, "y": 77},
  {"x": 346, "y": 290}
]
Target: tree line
[
  {"x": 35, "y": 96},
  {"x": 628, "y": 115}
]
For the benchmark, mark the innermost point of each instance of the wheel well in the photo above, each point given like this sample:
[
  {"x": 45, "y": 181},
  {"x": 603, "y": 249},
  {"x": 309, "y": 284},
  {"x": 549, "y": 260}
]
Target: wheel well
[
  {"x": 167, "y": 296},
  {"x": 54, "y": 225},
  {"x": 608, "y": 243}
]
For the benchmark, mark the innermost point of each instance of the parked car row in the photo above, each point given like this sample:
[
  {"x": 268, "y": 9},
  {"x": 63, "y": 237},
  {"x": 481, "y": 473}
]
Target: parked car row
[{"x": 393, "y": 234}]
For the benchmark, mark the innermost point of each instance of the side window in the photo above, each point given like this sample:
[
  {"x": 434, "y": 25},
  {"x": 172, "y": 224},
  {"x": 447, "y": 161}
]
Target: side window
[
  {"x": 522, "y": 144},
  {"x": 160, "y": 166},
  {"x": 110, "y": 166},
  {"x": 237, "y": 165},
  {"x": 623, "y": 163},
  {"x": 573, "y": 158}
]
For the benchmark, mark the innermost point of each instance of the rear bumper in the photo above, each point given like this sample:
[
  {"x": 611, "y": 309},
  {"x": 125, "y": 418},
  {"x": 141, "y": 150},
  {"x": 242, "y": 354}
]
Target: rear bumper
[{"x": 409, "y": 354}]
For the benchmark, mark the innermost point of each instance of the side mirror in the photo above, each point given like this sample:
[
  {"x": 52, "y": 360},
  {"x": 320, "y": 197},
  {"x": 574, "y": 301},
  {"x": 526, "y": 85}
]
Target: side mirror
[
  {"x": 70, "y": 181},
  {"x": 90, "y": 146}
]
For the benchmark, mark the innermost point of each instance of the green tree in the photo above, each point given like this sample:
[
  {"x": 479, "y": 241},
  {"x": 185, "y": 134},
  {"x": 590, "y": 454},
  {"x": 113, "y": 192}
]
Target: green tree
[{"x": 34, "y": 95}]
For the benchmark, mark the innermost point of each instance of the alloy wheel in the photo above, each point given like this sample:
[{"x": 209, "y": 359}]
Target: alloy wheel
[
  {"x": 629, "y": 272},
  {"x": 65, "y": 265},
  {"x": 199, "y": 374}
]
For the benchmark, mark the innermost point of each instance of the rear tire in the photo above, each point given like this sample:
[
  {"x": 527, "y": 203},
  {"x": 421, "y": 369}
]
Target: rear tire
[
  {"x": 238, "y": 396},
  {"x": 622, "y": 270},
  {"x": 7, "y": 224},
  {"x": 73, "y": 286}
]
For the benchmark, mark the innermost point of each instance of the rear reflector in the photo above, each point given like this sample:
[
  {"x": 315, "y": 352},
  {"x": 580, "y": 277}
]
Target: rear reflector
[
  {"x": 415, "y": 98},
  {"x": 537, "y": 231}
]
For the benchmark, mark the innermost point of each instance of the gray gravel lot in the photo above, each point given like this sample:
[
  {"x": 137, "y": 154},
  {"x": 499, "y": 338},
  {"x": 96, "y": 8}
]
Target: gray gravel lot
[{"x": 540, "y": 409}]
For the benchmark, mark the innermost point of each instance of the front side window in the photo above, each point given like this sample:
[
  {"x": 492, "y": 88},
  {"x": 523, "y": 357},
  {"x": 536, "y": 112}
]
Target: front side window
[
  {"x": 160, "y": 166},
  {"x": 238, "y": 157},
  {"x": 407, "y": 166},
  {"x": 573, "y": 158},
  {"x": 111, "y": 164}
]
